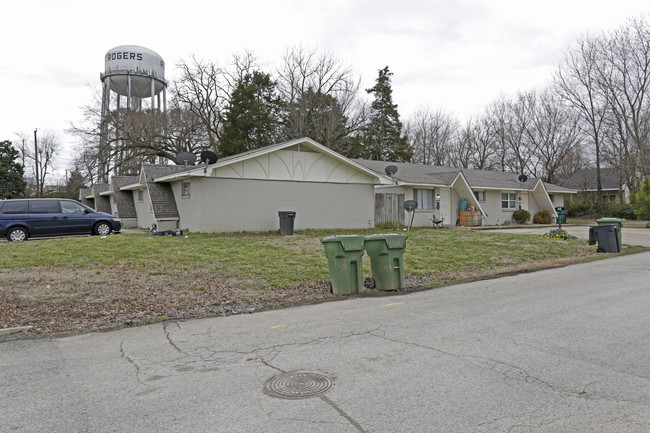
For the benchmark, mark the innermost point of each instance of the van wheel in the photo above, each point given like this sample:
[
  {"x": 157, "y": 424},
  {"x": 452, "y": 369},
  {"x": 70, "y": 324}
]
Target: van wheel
[
  {"x": 17, "y": 234},
  {"x": 101, "y": 229}
]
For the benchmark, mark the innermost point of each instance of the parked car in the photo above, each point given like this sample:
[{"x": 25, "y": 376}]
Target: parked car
[{"x": 22, "y": 219}]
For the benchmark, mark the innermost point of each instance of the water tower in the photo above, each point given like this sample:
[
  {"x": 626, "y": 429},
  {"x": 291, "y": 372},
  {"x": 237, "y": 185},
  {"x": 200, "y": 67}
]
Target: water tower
[{"x": 136, "y": 73}]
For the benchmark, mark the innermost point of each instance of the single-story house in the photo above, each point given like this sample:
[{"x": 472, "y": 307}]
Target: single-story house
[
  {"x": 493, "y": 196},
  {"x": 246, "y": 192},
  {"x": 613, "y": 186}
]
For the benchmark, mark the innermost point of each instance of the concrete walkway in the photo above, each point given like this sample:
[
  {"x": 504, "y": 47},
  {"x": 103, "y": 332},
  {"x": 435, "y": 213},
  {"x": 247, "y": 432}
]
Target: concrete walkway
[{"x": 561, "y": 350}]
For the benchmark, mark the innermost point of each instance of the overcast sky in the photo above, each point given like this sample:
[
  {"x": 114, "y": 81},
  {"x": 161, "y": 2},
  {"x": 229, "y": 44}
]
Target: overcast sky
[{"x": 456, "y": 54}]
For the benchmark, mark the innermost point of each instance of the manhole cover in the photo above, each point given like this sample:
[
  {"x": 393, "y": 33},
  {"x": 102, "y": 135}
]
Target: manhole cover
[{"x": 299, "y": 384}]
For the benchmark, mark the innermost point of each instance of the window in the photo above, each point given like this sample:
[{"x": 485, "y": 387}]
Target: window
[
  {"x": 15, "y": 207},
  {"x": 72, "y": 207},
  {"x": 424, "y": 197},
  {"x": 186, "y": 189},
  {"x": 480, "y": 195},
  {"x": 140, "y": 195},
  {"x": 44, "y": 206},
  {"x": 508, "y": 200}
]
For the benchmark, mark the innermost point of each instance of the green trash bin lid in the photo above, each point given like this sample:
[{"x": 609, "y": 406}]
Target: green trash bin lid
[
  {"x": 348, "y": 242},
  {"x": 602, "y": 221},
  {"x": 393, "y": 240}
]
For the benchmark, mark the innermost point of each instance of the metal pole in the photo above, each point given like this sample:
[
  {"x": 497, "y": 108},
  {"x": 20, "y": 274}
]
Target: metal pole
[{"x": 36, "y": 164}]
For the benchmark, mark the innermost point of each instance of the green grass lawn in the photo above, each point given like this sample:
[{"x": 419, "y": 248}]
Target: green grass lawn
[
  {"x": 78, "y": 284},
  {"x": 268, "y": 259}
]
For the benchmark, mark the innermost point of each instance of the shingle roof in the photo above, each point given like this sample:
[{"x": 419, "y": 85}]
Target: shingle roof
[
  {"x": 162, "y": 197},
  {"x": 124, "y": 199},
  {"x": 102, "y": 203},
  {"x": 436, "y": 175},
  {"x": 585, "y": 180}
]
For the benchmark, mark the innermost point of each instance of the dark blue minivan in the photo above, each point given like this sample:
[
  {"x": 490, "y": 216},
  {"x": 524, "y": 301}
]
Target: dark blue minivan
[{"x": 21, "y": 219}]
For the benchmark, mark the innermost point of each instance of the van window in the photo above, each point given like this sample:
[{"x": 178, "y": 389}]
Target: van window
[
  {"x": 14, "y": 207},
  {"x": 72, "y": 207},
  {"x": 43, "y": 206}
]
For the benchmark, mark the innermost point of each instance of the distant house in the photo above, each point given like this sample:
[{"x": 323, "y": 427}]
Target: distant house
[
  {"x": 614, "y": 188},
  {"x": 494, "y": 196}
]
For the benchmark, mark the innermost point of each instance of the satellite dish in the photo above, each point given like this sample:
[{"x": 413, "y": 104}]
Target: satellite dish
[
  {"x": 390, "y": 170},
  {"x": 185, "y": 158},
  {"x": 208, "y": 157},
  {"x": 410, "y": 205},
  {"x": 523, "y": 178}
]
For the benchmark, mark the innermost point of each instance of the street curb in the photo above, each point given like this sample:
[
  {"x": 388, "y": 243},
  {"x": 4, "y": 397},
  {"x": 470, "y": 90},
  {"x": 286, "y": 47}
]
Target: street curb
[{"x": 8, "y": 331}]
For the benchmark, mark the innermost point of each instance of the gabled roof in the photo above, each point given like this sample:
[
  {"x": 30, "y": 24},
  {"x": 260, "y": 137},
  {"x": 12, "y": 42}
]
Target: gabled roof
[
  {"x": 162, "y": 197},
  {"x": 585, "y": 180},
  {"x": 201, "y": 170},
  {"x": 430, "y": 175},
  {"x": 124, "y": 199}
]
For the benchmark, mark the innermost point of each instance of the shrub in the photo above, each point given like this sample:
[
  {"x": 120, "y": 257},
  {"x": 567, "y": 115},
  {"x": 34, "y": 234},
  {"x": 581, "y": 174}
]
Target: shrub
[
  {"x": 521, "y": 216},
  {"x": 640, "y": 201},
  {"x": 623, "y": 211},
  {"x": 576, "y": 209},
  {"x": 542, "y": 217},
  {"x": 559, "y": 234}
]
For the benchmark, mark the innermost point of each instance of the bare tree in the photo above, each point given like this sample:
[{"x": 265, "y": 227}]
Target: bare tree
[
  {"x": 204, "y": 89},
  {"x": 321, "y": 98},
  {"x": 552, "y": 132},
  {"x": 577, "y": 83},
  {"x": 510, "y": 119},
  {"x": 477, "y": 144},
  {"x": 40, "y": 156},
  {"x": 431, "y": 133},
  {"x": 625, "y": 77}
]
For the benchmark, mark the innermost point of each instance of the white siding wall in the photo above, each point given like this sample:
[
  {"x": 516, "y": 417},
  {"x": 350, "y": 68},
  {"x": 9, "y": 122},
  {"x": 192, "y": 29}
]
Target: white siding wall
[
  {"x": 129, "y": 222},
  {"x": 421, "y": 218},
  {"x": 294, "y": 165},
  {"x": 143, "y": 210},
  {"x": 189, "y": 208},
  {"x": 225, "y": 205},
  {"x": 492, "y": 206}
]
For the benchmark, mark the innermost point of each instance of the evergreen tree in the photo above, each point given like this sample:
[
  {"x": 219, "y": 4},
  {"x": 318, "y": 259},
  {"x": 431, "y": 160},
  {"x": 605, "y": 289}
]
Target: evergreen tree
[
  {"x": 383, "y": 139},
  {"x": 76, "y": 181},
  {"x": 12, "y": 184},
  {"x": 320, "y": 117},
  {"x": 252, "y": 119}
]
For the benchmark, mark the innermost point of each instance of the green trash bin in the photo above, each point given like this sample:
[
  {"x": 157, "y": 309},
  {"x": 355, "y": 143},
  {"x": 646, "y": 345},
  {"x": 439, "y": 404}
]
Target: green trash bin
[
  {"x": 561, "y": 215},
  {"x": 345, "y": 259},
  {"x": 617, "y": 222},
  {"x": 386, "y": 253}
]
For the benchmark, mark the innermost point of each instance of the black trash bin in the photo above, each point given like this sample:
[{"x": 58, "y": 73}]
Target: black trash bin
[
  {"x": 607, "y": 238},
  {"x": 286, "y": 222}
]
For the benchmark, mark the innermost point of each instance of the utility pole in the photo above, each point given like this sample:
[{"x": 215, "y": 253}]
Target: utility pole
[{"x": 36, "y": 164}]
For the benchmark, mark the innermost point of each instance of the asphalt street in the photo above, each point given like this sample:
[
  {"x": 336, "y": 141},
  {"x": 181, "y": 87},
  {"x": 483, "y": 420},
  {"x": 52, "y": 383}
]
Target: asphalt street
[{"x": 561, "y": 350}]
